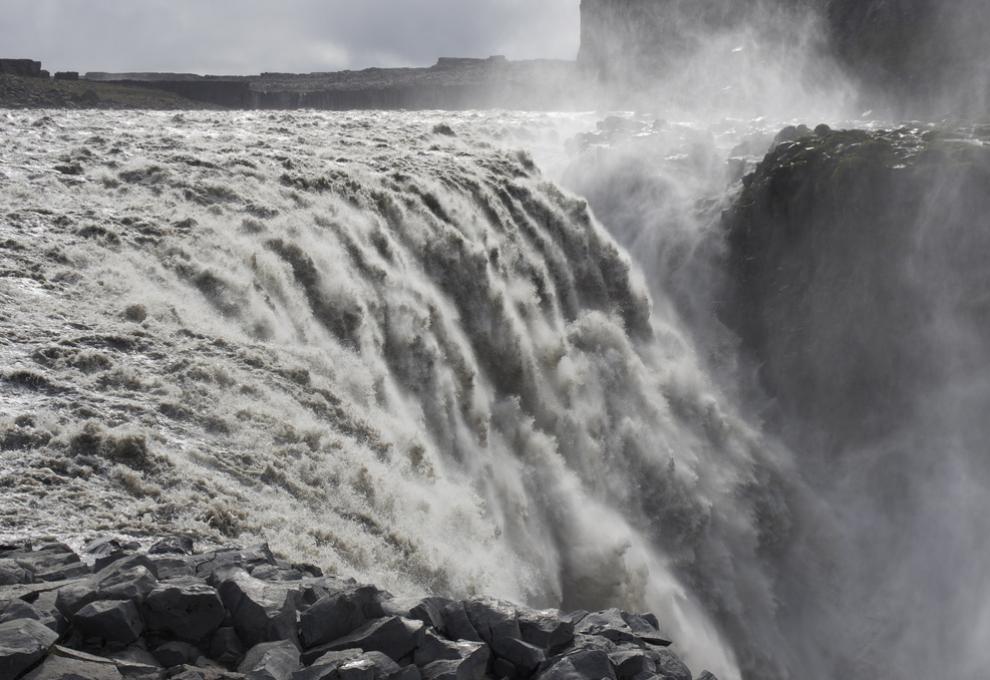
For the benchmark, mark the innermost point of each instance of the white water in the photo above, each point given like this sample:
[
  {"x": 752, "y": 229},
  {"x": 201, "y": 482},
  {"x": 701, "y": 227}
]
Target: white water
[
  {"x": 397, "y": 352},
  {"x": 409, "y": 356}
]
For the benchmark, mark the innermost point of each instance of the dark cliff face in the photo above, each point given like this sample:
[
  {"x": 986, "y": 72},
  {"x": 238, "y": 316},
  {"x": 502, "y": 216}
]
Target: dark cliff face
[
  {"x": 927, "y": 56},
  {"x": 856, "y": 259}
]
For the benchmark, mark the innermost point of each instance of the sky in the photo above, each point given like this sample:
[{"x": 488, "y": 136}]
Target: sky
[{"x": 250, "y": 36}]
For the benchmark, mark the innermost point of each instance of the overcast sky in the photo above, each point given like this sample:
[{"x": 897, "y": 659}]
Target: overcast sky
[{"x": 249, "y": 36}]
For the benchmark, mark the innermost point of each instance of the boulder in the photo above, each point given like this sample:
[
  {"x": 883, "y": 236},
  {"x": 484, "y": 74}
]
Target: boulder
[
  {"x": 457, "y": 625},
  {"x": 226, "y": 648},
  {"x": 260, "y": 611},
  {"x": 472, "y": 657},
  {"x": 453, "y": 669},
  {"x": 68, "y": 664},
  {"x": 335, "y": 615},
  {"x": 208, "y": 564},
  {"x": 608, "y": 624},
  {"x": 171, "y": 566},
  {"x": 176, "y": 653},
  {"x": 18, "y": 609},
  {"x": 630, "y": 663},
  {"x": 546, "y": 629},
  {"x": 707, "y": 675},
  {"x": 187, "y": 609},
  {"x": 493, "y": 620},
  {"x": 646, "y": 627},
  {"x": 668, "y": 665},
  {"x": 117, "y": 621},
  {"x": 429, "y": 610},
  {"x": 525, "y": 657},
  {"x": 325, "y": 667},
  {"x": 22, "y": 644},
  {"x": 173, "y": 545},
  {"x": 11, "y": 573},
  {"x": 393, "y": 636},
  {"x": 580, "y": 665},
  {"x": 187, "y": 672},
  {"x": 270, "y": 661}
]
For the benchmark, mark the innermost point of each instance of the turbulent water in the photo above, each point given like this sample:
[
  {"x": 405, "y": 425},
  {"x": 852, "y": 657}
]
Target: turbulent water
[{"x": 392, "y": 344}]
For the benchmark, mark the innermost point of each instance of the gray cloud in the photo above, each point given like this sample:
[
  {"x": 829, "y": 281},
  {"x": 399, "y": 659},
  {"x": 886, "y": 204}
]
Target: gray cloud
[{"x": 247, "y": 36}]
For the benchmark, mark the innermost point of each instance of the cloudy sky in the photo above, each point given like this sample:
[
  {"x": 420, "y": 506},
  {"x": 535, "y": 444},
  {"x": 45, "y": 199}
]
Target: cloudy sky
[{"x": 248, "y": 36}]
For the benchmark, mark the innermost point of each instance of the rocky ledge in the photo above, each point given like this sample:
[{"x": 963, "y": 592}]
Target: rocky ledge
[{"x": 118, "y": 610}]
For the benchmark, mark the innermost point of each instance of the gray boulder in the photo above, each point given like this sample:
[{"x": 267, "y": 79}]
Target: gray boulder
[
  {"x": 393, "y": 636},
  {"x": 173, "y": 545},
  {"x": 187, "y": 609},
  {"x": 547, "y": 629},
  {"x": 493, "y": 620},
  {"x": 668, "y": 665},
  {"x": 581, "y": 665},
  {"x": 11, "y": 573},
  {"x": 335, "y": 615},
  {"x": 472, "y": 657},
  {"x": 226, "y": 647},
  {"x": 646, "y": 628},
  {"x": 429, "y": 610},
  {"x": 525, "y": 657},
  {"x": 69, "y": 664},
  {"x": 176, "y": 653},
  {"x": 22, "y": 644},
  {"x": 325, "y": 667},
  {"x": 608, "y": 624},
  {"x": 270, "y": 661},
  {"x": 452, "y": 669},
  {"x": 117, "y": 621},
  {"x": 260, "y": 611},
  {"x": 457, "y": 625}
]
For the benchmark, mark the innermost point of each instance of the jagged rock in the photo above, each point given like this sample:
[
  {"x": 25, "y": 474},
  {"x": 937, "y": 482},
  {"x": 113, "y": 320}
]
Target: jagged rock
[
  {"x": 432, "y": 648},
  {"x": 706, "y": 675},
  {"x": 137, "y": 662},
  {"x": 110, "y": 620},
  {"x": 186, "y": 672},
  {"x": 336, "y": 615},
  {"x": 393, "y": 636},
  {"x": 50, "y": 562},
  {"x": 187, "y": 609},
  {"x": 18, "y": 609},
  {"x": 12, "y": 573},
  {"x": 260, "y": 611},
  {"x": 646, "y": 627},
  {"x": 69, "y": 664},
  {"x": 121, "y": 581},
  {"x": 668, "y": 665},
  {"x": 525, "y": 657},
  {"x": 226, "y": 648},
  {"x": 630, "y": 663},
  {"x": 210, "y": 563},
  {"x": 22, "y": 644},
  {"x": 271, "y": 572},
  {"x": 270, "y": 661},
  {"x": 457, "y": 625},
  {"x": 325, "y": 667},
  {"x": 545, "y": 629},
  {"x": 608, "y": 624},
  {"x": 173, "y": 545},
  {"x": 493, "y": 620},
  {"x": 452, "y": 669},
  {"x": 429, "y": 610},
  {"x": 580, "y": 665},
  {"x": 176, "y": 653}
]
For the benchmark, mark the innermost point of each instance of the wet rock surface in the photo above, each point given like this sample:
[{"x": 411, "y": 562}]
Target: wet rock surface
[{"x": 127, "y": 622}]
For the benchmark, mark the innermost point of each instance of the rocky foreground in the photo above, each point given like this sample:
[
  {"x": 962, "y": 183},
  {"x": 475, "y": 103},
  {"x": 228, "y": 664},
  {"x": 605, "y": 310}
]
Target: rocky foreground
[{"x": 119, "y": 611}]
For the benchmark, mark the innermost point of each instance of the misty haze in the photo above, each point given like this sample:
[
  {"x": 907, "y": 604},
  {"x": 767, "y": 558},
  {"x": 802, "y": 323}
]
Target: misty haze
[{"x": 494, "y": 340}]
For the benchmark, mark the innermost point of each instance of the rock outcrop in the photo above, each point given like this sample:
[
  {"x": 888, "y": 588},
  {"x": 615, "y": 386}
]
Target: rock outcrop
[
  {"x": 845, "y": 250},
  {"x": 233, "y": 613}
]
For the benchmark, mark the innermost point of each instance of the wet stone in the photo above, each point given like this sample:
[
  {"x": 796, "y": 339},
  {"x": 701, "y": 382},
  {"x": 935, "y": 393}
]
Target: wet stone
[
  {"x": 22, "y": 644},
  {"x": 335, "y": 615},
  {"x": 393, "y": 636},
  {"x": 270, "y": 661},
  {"x": 117, "y": 621},
  {"x": 187, "y": 609}
]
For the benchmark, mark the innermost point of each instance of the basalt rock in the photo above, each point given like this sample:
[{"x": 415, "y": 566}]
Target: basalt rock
[{"x": 122, "y": 622}]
